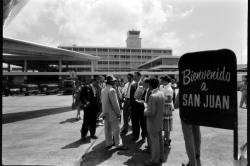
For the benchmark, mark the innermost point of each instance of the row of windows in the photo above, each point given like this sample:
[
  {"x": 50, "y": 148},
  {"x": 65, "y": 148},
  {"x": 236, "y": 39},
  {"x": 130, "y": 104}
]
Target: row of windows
[
  {"x": 124, "y": 57},
  {"x": 113, "y": 63},
  {"x": 117, "y": 50}
]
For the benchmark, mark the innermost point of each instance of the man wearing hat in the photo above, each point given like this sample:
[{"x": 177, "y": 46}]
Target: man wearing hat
[{"x": 111, "y": 114}]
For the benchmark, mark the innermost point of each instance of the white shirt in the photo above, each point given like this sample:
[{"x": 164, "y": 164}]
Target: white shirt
[
  {"x": 126, "y": 89},
  {"x": 167, "y": 90}
]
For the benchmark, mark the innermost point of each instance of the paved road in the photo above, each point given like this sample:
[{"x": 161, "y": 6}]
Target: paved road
[{"x": 41, "y": 130}]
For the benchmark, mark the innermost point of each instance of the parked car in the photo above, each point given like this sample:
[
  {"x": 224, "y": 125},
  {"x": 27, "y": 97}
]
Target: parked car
[
  {"x": 5, "y": 91},
  {"x": 15, "y": 90},
  {"x": 28, "y": 89},
  {"x": 49, "y": 88},
  {"x": 11, "y": 89},
  {"x": 68, "y": 86}
]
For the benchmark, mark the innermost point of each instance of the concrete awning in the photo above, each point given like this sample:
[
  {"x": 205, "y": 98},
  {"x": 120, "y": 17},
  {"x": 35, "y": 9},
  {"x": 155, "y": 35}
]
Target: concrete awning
[{"x": 19, "y": 49}]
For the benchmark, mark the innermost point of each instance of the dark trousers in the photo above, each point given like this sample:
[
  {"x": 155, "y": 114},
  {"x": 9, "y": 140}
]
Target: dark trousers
[
  {"x": 192, "y": 138},
  {"x": 89, "y": 122},
  {"x": 126, "y": 115},
  {"x": 138, "y": 121}
]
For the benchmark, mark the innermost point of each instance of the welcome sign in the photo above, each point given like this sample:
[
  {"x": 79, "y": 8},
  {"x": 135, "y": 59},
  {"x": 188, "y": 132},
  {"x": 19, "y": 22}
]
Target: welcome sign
[{"x": 208, "y": 88}]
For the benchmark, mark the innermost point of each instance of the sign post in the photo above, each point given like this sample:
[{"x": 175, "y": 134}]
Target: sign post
[{"x": 208, "y": 90}]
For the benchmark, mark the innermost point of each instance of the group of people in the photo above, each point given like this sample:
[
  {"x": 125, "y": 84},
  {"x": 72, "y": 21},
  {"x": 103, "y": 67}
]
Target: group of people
[{"x": 147, "y": 102}]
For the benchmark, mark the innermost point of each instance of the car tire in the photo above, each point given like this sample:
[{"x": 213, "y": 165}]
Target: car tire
[{"x": 6, "y": 92}]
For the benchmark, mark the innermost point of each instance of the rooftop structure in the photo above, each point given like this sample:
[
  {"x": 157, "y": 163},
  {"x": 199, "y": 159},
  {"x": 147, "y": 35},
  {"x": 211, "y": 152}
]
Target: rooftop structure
[{"x": 133, "y": 39}]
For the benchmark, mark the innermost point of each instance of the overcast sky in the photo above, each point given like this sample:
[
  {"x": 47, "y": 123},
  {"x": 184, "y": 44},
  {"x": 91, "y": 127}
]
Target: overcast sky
[{"x": 182, "y": 25}]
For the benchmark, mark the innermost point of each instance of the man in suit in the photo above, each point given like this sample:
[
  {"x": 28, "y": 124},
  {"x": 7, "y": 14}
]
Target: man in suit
[
  {"x": 126, "y": 106},
  {"x": 192, "y": 138},
  {"x": 111, "y": 114},
  {"x": 137, "y": 109},
  {"x": 88, "y": 98},
  {"x": 154, "y": 113}
]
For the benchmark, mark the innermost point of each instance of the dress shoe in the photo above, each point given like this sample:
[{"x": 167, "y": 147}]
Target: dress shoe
[
  {"x": 167, "y": 143},
  {"x": 124, "y": 132},
  {"x": 108, "y": 147},
  {"x": 147, "y": 151},
  {"x": 83, "y": 139},
  {"x": 151, "y": 163},
  {"x": 100, "y": 124},
  {"x": 122, "y": 147},
  {"x": 142, "y": 140},
  {"x": 134, "y": 138},
  {"x": 93, "y": 137}
]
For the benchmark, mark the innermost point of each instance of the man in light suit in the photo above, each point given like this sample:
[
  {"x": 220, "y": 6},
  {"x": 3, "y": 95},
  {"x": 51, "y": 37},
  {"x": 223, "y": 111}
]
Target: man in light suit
[
  {"x": 111, "y": 114},
  {"x": 154, "y": 113}
]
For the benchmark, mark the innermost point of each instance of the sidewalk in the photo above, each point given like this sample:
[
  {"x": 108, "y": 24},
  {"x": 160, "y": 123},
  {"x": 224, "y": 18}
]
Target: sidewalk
[{"x": 53, "y": 139}]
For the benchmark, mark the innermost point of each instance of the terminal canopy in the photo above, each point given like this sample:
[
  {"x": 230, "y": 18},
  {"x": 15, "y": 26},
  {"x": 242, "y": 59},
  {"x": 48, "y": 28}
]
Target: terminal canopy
[{"x": 17, "y": 49}]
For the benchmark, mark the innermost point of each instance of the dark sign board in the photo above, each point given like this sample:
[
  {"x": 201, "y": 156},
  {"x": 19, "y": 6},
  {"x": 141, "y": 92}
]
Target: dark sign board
[{"x": 208, "y": 88}]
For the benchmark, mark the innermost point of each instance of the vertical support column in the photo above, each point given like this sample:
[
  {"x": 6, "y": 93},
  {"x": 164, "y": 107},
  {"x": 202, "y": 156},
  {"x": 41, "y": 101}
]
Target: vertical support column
[
  {"x": 60, "y": 65},
  {"x": 92, "y": 65},
  {"x": 25, "y": 79},
  {"x": 8, "y": 67},
  {"x": 108, "y": 61},
  {"x": 141, "y": 56},
  {"x": 130, "y": 59},
  {"x": 120, "y": 60},
  {"x": 25, "y": 66},
  {"x": 60, "y": 81}
]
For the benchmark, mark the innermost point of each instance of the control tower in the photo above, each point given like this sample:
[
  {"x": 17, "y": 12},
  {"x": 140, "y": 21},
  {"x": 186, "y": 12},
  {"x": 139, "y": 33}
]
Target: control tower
[{"x": 133, "y": 39}]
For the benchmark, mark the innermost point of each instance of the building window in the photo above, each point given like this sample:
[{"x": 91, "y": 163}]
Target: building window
[
  {"x": 75, "y": 49},
  {"x": 113, "y": 50},
  {"x": 157, "y": 51},
  {"x": 87, "y": 49},
  {"x": 114, "y": 62}
]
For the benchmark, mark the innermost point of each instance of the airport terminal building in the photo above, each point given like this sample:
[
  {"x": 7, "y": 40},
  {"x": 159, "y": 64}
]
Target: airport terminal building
[
  {"x": 120, "y": 59},
  {"x": 43, "y": 63},
  {"x": 38, "y": 64}
]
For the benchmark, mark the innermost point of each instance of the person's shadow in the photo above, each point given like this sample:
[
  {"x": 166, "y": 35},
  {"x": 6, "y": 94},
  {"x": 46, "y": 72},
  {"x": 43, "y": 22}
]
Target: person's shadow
[
  {"x": 77, "y": 143},
  {"x": 138, "y": 155},
  {"x": 97, "y": 155},
  {"x": 100, "y": 153},
  {"x": 70, "y": 120}
]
